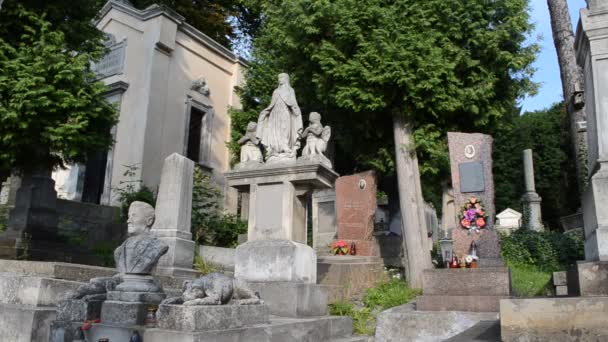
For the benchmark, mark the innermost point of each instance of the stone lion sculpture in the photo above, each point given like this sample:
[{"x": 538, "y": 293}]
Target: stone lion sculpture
[{"x": 215, "y": 289}]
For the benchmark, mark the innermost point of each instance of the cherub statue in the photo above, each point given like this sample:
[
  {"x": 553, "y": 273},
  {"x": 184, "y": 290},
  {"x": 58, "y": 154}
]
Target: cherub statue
[
  {"x": 250, "y": 147},
  {"x": 215, "y": 289},
  {"x": 317, "y": 137}
]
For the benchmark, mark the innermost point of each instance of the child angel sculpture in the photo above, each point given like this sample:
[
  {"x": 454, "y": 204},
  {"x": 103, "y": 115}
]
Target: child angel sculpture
[{"x": 317, "y": 138}]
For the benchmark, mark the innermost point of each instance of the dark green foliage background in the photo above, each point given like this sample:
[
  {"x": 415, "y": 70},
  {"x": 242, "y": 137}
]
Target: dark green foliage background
[
  {"x": 445, "y": 65},
  {"x": 546, "y": 133}
]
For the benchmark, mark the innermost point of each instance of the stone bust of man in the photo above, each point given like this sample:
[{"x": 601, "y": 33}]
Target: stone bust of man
[{"x": 140, "y": 253}]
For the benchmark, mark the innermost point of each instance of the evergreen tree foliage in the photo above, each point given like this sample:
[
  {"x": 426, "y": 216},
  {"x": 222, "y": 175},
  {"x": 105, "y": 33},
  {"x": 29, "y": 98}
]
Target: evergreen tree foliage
[
  {"x": 51, "y": 109},
  {"x": 546, "y": 132},
  {"x": 73, "y": 18},
  {"x": 445, "y": 65},
  {"x": 222, "y": 20}
]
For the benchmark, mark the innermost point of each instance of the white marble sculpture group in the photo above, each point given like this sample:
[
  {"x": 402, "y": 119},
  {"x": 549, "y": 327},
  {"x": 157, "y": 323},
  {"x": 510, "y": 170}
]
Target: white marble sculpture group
[{"x": 279, "y": 130}]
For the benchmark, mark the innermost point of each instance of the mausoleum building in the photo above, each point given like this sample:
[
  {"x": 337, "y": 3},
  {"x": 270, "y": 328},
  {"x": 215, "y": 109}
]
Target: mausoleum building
[{"x": 173, "y": 87}]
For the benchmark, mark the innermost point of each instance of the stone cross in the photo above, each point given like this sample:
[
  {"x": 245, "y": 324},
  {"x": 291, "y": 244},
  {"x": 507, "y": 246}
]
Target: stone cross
[
  {"x": 531, "y": 200},
  {"x": 173, "y": 214}
]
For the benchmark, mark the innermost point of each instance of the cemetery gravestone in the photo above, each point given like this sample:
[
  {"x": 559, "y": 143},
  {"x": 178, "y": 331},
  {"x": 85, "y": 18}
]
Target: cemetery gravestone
[
  {"x": 355, "y": 209},
  {"x": 471, "y": 166}
]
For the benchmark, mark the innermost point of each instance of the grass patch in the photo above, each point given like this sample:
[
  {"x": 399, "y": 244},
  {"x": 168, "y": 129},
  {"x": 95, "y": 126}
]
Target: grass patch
[
  {"x": 384, "y": 296},
  {"x": 530, "y": 281}
]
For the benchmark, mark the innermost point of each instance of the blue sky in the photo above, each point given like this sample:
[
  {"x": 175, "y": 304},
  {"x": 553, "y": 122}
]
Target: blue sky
[{"x": 547, "y": 73}]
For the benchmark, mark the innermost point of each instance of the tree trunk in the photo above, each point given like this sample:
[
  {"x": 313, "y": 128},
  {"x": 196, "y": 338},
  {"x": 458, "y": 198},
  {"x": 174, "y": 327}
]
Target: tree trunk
[
  {"x": 413, "y": 225},
  {"x": 572, "y": 82}
]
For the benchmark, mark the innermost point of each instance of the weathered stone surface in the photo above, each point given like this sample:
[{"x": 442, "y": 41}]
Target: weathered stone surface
[
  {"x": 561, "y": 290},
  {"x": 173, "y": 212},
  {"x": 459, "y": 153},
  {"x": 24, "y": 323},
  {"x": 193, "y": 318},
  {"x": 278, "y": 197},
  {"x": 490, "y": 281},
  {"x": 35, "y": 291},
  {"x": 288, "y": 299},
  {"x": 280, "y": 329},
  {"x": 355, "y": 209},
  {"x": 64, "y": 331},
  {"x": 123, "y": 313},
  {"x": 79, "y": 310},
  {"x": 317, "y": 136},
  {"x": 404, "y": 323},
  {"x": 275, "y": 260},
  {"x": 57, "y": 270},
  {"x": 323, "y": 220},
  {"x": 218, "y": 257},
  {"x": 589, "y": 279},
  {"x": 554, "y": 319},
  {"x": 280, "y": 124},
  {"x": 473, "y": 303},
  {"x": 354, "y": 274},
  {"x": 137, "y": 297},
  {"x": 487, "y": 242},
  {"x": 140, "y": 253},
  {"x": 560, "y": 278}
]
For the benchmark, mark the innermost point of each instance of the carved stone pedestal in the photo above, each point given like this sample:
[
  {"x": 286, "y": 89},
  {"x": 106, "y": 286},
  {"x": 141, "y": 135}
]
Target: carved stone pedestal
[{"x": 278, "y": 197}]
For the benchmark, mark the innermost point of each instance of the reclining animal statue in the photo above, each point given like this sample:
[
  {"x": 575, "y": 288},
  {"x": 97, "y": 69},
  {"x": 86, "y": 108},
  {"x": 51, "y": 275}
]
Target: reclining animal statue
[{"x": 215, "y": 289}]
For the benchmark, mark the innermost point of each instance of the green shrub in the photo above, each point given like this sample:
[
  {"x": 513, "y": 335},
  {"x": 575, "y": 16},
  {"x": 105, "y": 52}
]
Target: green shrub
[
  {"x": 132, "y": 190},
  {"x": 202, "y": 266},
  {"x": 386, "y": 295},
  {"x": 105, "y": 251},
  {"x": 547, "y": 251},
  {"x": 210, "y": 225},
  {"x": 379, "y": 298},
  {"x": 4, "y": 213}
]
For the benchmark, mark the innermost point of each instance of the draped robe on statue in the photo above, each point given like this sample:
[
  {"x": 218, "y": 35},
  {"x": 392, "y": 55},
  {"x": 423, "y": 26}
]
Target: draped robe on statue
[{"x": 280, "y": 124}]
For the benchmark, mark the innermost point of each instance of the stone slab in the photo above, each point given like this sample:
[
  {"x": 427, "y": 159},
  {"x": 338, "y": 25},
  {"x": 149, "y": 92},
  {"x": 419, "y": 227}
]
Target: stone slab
[
  {"x": 561, "y": 290},
  {"x": 487, "y": 241},
  {"x": 459, "y": 303},
  {"x": 218, "y": 257},
  {"x": 275, "y": 260},
  {"x": 288, "y": 299},
  {"x": 123, "y": 313},
  {"x": 355, "y": 210},
  {"x": 64, "y": 331},
  {"x": 57, "y": 270},
  {"x": 404, "y": 323},
  {"x": 194, "y": 318},
  {"x": 560, "y": 278},
  {"x": 460, "y": 152},
  {"x": 36, "y": 291},
  {"x": 354, "y": 274},
  {"x": 78, "y": 310},
  {"x": 588, "y": 279},
  {"x": 484, "y": 331},
  {"x": 490, "y": 281},
  {"x": 25, "y": 323},
  {"x": 279, "y": 329},
  {"x": 554, "y": 319}
]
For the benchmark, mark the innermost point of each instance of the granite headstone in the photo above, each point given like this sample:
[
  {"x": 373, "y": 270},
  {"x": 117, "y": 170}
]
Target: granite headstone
[
  {"x": 471, "y": 166},
  {"x": 355, "y": 209}
]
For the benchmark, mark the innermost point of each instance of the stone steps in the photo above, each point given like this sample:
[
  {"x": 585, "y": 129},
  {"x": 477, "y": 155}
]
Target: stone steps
[
  {"x": 484, "y": 331},
  {"x": 459, "y": 303},
  {"x": 34, "y": 291},
  {"x": 490, "y": 281}
]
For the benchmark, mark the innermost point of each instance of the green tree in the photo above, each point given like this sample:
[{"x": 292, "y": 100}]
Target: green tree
[
  {"x": 405, "y": 71},
  {"x": 73, "y": 18},
  {"x": 52, "y": 111},
  {"x": 546, "y": 132},
  {"x": 222, "y": 20}
]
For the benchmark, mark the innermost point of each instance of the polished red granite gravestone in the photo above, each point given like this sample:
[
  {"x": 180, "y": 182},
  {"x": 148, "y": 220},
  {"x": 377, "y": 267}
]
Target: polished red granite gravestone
[{"x": 355, "y": 209}]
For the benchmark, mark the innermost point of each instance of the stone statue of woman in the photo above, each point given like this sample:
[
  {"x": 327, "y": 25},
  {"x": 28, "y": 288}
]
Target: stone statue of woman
[{"x": 280, "y": 124}]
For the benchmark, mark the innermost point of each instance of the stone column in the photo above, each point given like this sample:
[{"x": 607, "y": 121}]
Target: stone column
[
  {"x": 173, "y": 213},
  {"x": 531, "y": 200},
  {"x": 591, "y": 52}
]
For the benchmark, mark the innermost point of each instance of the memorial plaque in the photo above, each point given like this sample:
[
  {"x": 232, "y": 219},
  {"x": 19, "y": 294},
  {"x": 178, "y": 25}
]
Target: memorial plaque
[{"x": 471, "y": 177}]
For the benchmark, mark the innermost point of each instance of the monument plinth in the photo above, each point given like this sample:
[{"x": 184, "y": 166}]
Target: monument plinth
[{"x": 278, "y": 194}]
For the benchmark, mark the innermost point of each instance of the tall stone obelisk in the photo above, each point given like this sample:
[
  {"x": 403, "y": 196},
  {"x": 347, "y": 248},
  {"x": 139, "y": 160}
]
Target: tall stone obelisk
[{"x": 531, "y": 200}]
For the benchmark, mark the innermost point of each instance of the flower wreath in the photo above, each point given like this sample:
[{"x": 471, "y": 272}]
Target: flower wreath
[{"x": 473, "y": 215}]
